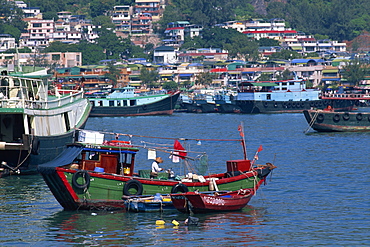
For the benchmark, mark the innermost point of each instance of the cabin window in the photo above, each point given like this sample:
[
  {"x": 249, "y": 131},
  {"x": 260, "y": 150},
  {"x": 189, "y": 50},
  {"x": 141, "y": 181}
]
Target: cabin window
[
  {"x": 100, "y": 103},
  {"x": 268, "y": 96},
  {"x": 132, "y": 102},
  {"x": 291, "y": 83},
  {"x": 124, "y": 102},
  {"x": 91, "y": 155},
  {"x": 118, "y": 103},
  {"x": 284, "y": 83},
  {"x": 66, "y": 121},
  {"x": 111, "y": 103},
  {"x": 92, "y": 103}
]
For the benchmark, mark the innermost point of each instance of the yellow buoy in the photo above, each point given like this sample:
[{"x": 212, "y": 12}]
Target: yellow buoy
[
  {"x": 159, "y": 222},
  {"x": 175, "y": 222}
]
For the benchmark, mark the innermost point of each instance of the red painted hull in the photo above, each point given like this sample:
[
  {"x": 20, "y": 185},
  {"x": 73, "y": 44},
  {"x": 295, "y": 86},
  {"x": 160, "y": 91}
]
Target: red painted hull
[{"x": 198, "y": 202}]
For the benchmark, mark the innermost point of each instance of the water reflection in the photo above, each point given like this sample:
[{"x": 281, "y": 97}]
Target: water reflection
[{"x": 112, "y": 228}]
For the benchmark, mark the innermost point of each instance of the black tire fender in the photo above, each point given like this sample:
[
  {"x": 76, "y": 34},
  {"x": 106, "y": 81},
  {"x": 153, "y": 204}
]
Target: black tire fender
[
  {"x": 77, "y": 175},
  {"x": 133, "y": 184},
  {"x": 346, "y": 116},
  {"x": 359, "y": 116},
  {"x": 320, "y": 117},
  {"x": 180, "y": 187},
  {"x": 336, "y": 118}
]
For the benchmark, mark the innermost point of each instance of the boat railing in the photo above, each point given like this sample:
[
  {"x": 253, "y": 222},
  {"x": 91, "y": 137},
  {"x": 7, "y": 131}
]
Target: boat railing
[
  {"x": 16, "y": 102},
  {"x": 347, "y": 96}
]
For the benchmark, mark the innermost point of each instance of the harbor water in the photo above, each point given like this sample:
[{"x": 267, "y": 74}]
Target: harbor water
[{"x": 318, "y": 195}]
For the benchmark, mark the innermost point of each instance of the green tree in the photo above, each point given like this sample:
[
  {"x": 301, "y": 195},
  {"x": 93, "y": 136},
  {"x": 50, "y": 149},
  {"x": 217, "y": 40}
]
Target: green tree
[
  {"x": 354, "y": 71},
  {"x": 11, "y": 19},
  {"x": 285, "y": 54},
  {"x": 170, "y": 85},
  {"x": 91, "y": 53},
  {"x": 205, "y": 78},
  {"x": 113, "y": 74},
  {"x": 148, "y": 77}
]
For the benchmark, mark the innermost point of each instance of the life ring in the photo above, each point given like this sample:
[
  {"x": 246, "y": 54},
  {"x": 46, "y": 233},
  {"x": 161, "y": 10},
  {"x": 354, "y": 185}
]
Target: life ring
[
  {"x": 359, "y": 116},
  {"x": 346, "y": 116},
  {"x": 77, "y": 175},
  {"x": 179, "y": 188},
  {"x": 336, "y": 118},
  {"x": 133, "y": 184},
  {"x": 320, "y": 117}
]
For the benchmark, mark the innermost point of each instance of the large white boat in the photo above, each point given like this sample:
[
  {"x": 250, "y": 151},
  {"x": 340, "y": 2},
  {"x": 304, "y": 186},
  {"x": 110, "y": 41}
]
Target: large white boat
[{"x": 36, "y": 123}]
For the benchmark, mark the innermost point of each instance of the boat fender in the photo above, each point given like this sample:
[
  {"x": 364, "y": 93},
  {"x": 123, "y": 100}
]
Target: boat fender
[
  {"x": 265, "y": 104},
  {"x": 359, "y": 116},
  {"x": 368, "y": 118},
  {"x": 293, "y": 104},
  {"x": 289, "y": 105},
  {"x": 336, "y": 118},
  {"x": 144, "y": 107},
  {"x": 35, "y": 146},
  {"x": 179, "y": 188},
  {"x": 133, "y": 184},
  {"x": 320, "y": 117},
  {"x": 346, "y": 116},
  {"x": 83, "y": 174},
  {"x": 275, "y": 105}
]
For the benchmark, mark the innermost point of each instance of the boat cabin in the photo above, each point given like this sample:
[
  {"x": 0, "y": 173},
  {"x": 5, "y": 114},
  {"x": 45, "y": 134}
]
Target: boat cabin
[{"x": 108, "y": 158}]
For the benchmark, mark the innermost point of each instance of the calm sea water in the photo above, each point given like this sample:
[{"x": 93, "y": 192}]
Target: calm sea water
[{"x": 318, "y": 195}]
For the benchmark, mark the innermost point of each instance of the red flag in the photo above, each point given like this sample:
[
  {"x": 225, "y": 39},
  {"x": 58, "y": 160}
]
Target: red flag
[
  {"x": 240, "y": 129},
  {"x": 178, "y": 147},
  {"x": 260, "y": 149}
]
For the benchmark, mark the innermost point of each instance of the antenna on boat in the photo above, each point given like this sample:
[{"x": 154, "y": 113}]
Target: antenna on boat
[{"x": 241, "y": 132}]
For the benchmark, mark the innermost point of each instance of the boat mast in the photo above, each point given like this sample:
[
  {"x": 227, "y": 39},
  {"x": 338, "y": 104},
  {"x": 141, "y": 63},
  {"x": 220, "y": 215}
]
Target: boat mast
[{"x": 241, "y": 131}]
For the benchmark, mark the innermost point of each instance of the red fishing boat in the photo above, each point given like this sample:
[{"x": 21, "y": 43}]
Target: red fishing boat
[
  {"x": 96, "y": 175},
  {"x": 210, "y": 201}
]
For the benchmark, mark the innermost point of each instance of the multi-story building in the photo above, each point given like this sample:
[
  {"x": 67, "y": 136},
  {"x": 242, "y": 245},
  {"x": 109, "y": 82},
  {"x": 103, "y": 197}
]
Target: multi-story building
[
  {"x": 39, "y": 33},
  {"x": 152, "y": 7},
  {"x": 121, "y": 18},
  {"x": 62, "y": 59},
  {"x": 141, "y": 24}
]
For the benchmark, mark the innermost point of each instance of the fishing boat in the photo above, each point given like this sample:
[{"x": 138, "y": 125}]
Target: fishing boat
[
  {"x": 36, "y": 123},
  {"x": 211, "y": 201},
  {"x": 156, "y": 203},
  {"x": 125, "y": 102},
  {"x": 96, "y": 175},
  {"x": 284, "y": 96},
  {"x": 330, "y": 121}
]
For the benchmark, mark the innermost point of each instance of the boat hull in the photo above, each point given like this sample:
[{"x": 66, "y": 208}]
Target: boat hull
[
  {"x": 105, "y": 191},
  {"x": 326, "y": 121},
  {"x": 164, "y": 106},
  {"x": 267, "y": 106},
  {"x": 252, "y": 106},
  {"x": 194, "y": 202}
]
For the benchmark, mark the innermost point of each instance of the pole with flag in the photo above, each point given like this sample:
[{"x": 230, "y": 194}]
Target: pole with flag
[
  {"x": 256, "y": 155},
  {"x": 241, "y": 132}
]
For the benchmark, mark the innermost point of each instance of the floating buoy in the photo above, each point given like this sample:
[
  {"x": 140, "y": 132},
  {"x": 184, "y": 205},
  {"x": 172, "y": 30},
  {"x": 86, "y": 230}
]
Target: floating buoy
[
  {"x": 175, "y": 222},
  {"x": 159, "y": 222}
]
